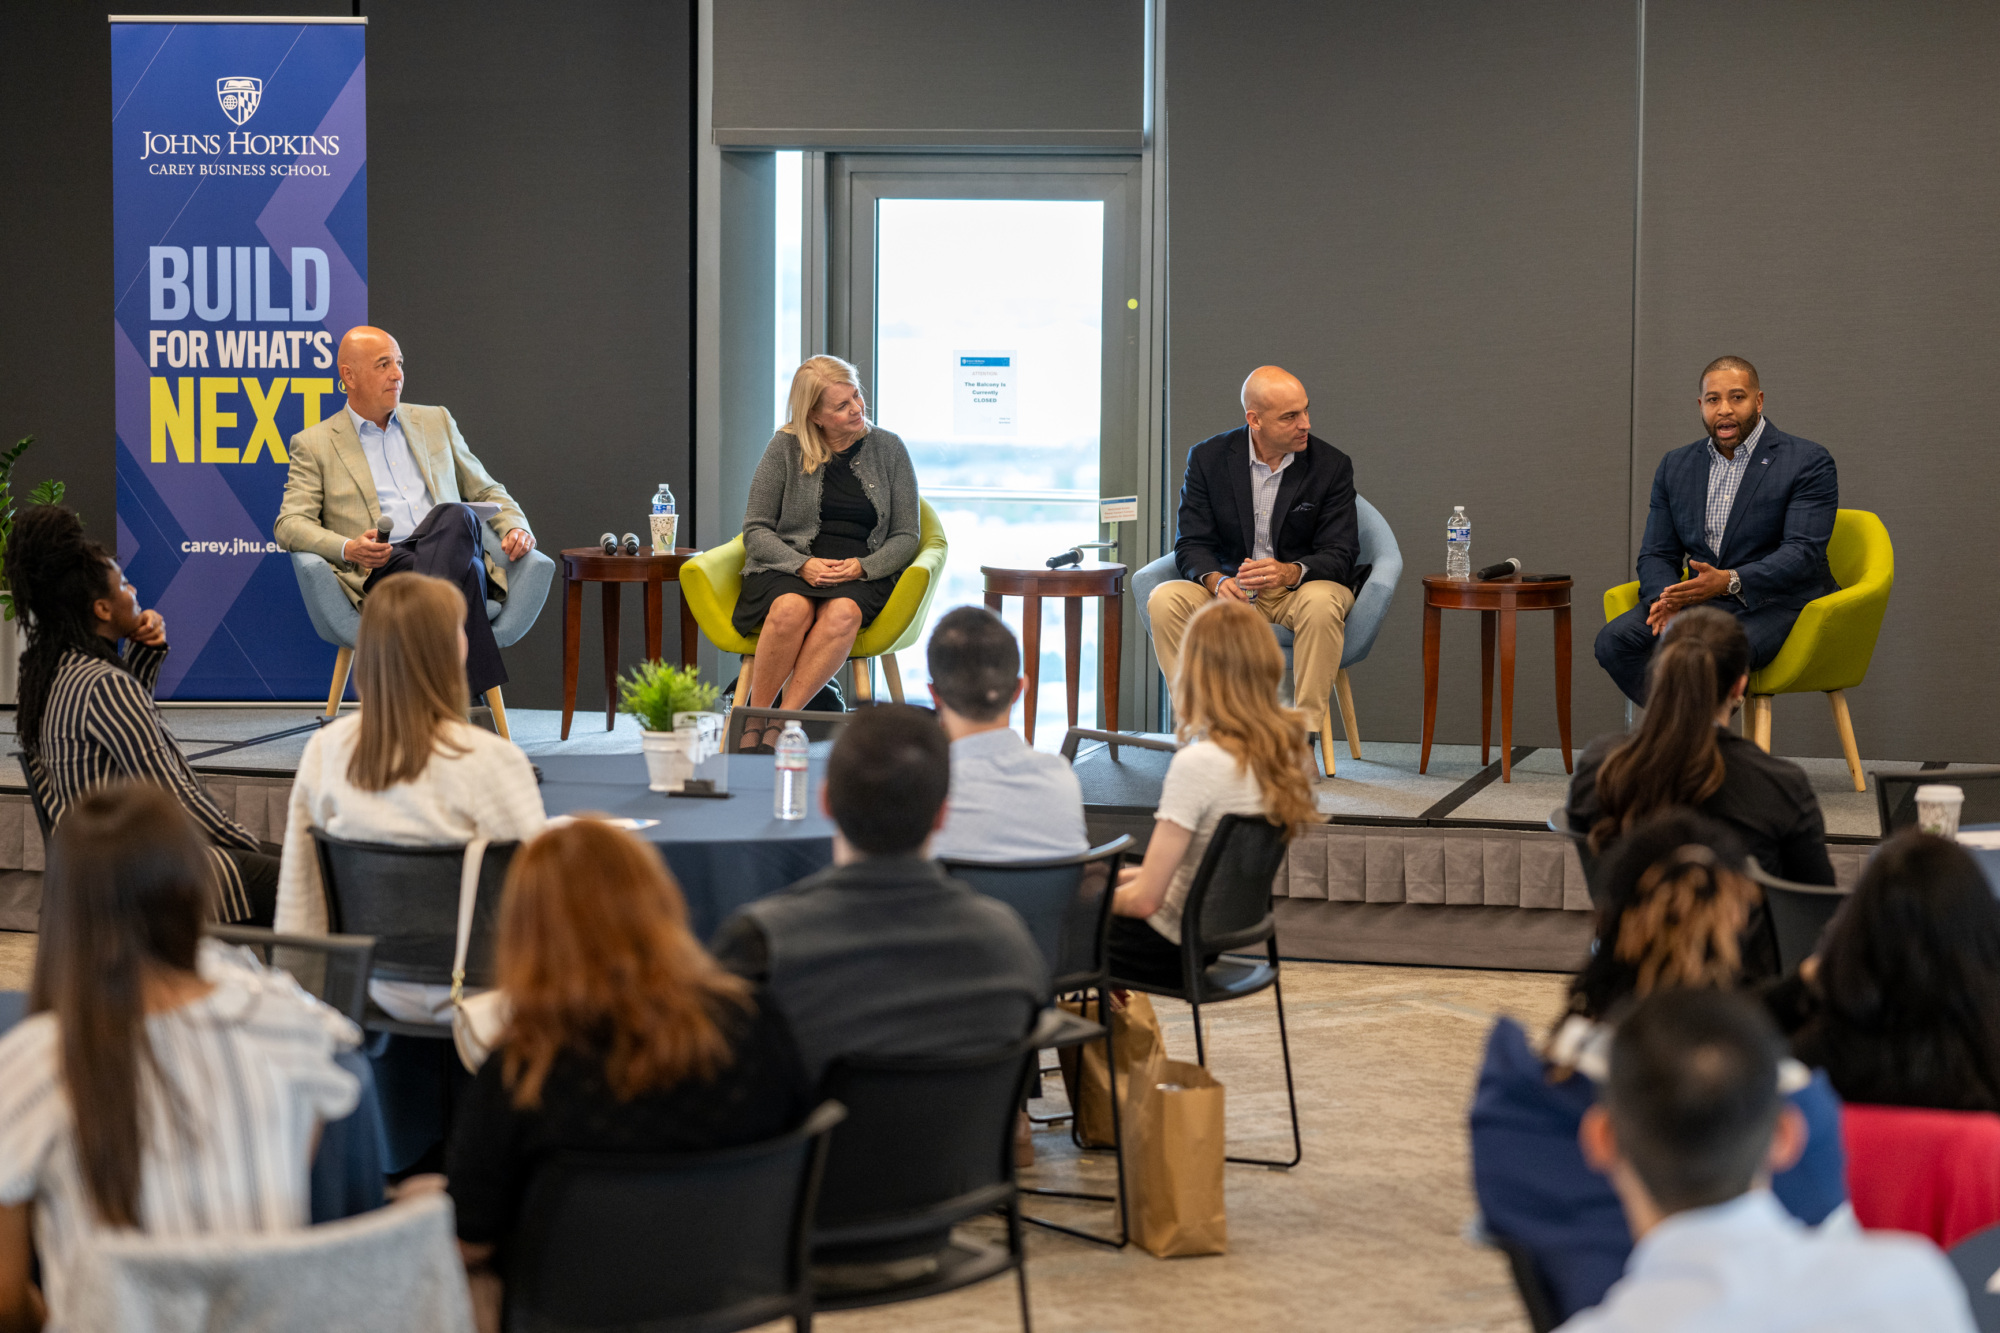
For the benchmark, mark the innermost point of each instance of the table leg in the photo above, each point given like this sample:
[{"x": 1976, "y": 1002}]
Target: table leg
[
  {"x": 1488, "y": 624},
  {"x": 1432, "y": 623},
  {"x": 1112, "y": 640},
  {"x": 611, "y": 595},
  {"x": 1031, "y": 657},
  {"x": 656, "y": 650},
  {"x": 1562, "y": 682},
  {"x": 993, "y": 600},
  {"x": 1073, "y": 651},
  {"x": 1507, "y": 627},
  {"x": 572, "y": 647},
  {"x": 689, "y": 643}
]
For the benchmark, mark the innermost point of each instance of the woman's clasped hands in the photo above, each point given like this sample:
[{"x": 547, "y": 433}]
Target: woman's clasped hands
[{"x": 823, "y": 573}]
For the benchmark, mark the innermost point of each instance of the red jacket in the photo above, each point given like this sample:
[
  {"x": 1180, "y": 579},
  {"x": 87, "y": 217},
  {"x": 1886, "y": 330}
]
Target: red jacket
[{"x": 1936, "y": 1173}]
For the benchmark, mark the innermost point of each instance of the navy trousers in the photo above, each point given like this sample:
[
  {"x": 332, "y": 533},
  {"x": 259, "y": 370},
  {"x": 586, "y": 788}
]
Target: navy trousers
[
  {"x": 446, "y": 545},
  {"x": 1625, "y": 646}
]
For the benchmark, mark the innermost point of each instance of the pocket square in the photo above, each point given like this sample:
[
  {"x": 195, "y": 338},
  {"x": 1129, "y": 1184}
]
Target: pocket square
[{"x": 1302, "y": 506}]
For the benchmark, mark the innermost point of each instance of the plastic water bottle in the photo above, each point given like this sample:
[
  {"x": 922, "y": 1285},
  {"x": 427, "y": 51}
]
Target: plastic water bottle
[
  {"x": 789, "y": 799},
  {"x": 663, "y": 520},
  {"x": 1458, "y": 545}
]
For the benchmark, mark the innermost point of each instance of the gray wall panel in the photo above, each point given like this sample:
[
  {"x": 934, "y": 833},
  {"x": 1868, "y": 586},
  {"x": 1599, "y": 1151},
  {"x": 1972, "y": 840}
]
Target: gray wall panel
[
  {"x": 1424, "y": 210},
  {"x": 1821, "y": 200},
  {"x": 530, "y": 238},
  {"x": 888, "y": 73}
]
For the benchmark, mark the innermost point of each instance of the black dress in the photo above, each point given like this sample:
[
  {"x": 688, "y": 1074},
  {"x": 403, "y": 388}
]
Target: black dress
[{"x": 846, "y": 518}]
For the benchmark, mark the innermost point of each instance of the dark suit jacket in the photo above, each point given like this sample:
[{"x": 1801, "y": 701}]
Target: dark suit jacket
[
  {"x": 1313, "y": 524},
  {"x": 1778, "y": 527},
  {"x": 889, "y": 956}
]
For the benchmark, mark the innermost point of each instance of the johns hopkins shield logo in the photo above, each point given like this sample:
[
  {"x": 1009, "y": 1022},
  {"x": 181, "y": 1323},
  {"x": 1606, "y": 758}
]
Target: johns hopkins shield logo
[{"x": 239, "y": 97}]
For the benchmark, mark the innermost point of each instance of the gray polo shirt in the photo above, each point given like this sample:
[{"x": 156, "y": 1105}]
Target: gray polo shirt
[{"x": 1010, "y": 803}]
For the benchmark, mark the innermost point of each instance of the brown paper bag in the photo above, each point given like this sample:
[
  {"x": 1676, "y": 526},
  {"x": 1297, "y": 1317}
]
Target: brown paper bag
[
  {"x": 1174, "y": 1159},
  {"x": 1135, "y": 1032}
]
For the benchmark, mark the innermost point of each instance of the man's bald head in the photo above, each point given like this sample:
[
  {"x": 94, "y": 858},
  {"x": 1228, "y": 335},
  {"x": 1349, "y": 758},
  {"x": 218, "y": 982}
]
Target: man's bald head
[
  {"x": 1268, "y": 384},
  {"x": 1274, "y": 404},
  {"x": 1731, "y": 363},
  {"x": 371, "y": 368}
]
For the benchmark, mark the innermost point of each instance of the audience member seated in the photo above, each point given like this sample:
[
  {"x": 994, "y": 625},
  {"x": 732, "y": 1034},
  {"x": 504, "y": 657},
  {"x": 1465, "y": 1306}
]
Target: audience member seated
[
  {"x": 831, "y": 522},
  {"x": 1690, "y": 1130},
  {"x": 1674, "y": 905},
  {"x": 624, "y": 1035},
  {"x": 161, "y": 1083},
  {"x": 1901, "y": 1005},
  {"x": 1684, "y": 755},
  {"x": 883, "y": 954},
  {"x": 408, "y": 768},
  {"x": 85, "y": 713},
  {"x": 1245, "y": 754},
  {"x": 1008, "y": 802}
]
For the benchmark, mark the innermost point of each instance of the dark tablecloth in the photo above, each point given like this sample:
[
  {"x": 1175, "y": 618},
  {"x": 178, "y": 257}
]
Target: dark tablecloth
[{"x": 725, "y": 853}]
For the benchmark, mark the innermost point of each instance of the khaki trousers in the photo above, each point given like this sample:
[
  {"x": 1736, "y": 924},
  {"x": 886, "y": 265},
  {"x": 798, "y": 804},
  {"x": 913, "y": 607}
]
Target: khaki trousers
[{"x": 1315, "y": 612}]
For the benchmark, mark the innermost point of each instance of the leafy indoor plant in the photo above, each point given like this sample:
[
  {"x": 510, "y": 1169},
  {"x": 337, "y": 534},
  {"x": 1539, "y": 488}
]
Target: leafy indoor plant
[
  {"x": 47, "y": 493},
  {"x": 653, "y": 692}
]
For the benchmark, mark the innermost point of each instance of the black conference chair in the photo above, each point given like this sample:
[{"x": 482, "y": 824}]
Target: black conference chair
[
  {"x": 345, "y": 960},
  {"x": 1066, "y": 903},
  {"x": 928, "y": 1143},
  {"x": 1799, "y": 914},
  {"x": 1533, "y": 1288},
  {"x": 1228, "y": 909},
  {"x": 1977, "y": 1259},
  {"x": 37, "y": 782},
  {"x": 685, "y": 1243},
  {"x": 1896, "y": 795},
  {"x": 407, "y": 898}
]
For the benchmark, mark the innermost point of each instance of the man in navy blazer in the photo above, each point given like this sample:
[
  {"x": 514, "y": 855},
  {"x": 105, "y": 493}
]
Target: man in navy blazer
[
  {"x": 1748, "y": 512},
  {"x": 1267, "y": 517}
]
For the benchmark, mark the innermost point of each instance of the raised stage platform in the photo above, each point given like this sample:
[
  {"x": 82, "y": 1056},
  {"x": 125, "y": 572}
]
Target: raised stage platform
[{"x": 1451, "y": 868}]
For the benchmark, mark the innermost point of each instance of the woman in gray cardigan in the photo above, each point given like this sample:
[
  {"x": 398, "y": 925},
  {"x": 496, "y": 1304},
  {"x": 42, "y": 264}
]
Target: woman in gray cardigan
[{"x": 831, "y": 523}]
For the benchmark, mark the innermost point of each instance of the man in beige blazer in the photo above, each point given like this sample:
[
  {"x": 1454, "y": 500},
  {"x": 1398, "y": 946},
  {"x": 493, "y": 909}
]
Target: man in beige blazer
[{"x": 381, "y": 458}]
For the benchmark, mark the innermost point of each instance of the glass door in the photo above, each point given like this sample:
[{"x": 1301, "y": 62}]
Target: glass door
[{"x": 991, "y": 306}]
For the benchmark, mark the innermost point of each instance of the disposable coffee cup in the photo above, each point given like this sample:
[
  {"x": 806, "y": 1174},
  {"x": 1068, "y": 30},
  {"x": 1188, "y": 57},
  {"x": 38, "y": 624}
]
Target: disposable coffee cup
[
  {"x": 663, "y": 526},
  {"x": 1938, "y": 805}
]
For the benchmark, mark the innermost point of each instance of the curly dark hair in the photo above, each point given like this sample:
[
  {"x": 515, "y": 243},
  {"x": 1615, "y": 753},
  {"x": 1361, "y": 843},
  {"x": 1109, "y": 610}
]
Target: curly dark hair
[{"x": 55, "y": 573}]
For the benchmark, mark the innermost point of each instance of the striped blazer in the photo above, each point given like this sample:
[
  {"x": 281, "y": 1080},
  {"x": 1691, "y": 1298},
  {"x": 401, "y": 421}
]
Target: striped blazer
[{"x": 101, "y": 725}]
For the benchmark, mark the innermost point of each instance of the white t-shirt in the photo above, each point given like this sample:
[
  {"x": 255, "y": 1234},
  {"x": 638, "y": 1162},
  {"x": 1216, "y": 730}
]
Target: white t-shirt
[
  {"x": 252, "y": 1063},
  {"x": 488, "y": 791},
  {"x": 1204, "y": 783}
]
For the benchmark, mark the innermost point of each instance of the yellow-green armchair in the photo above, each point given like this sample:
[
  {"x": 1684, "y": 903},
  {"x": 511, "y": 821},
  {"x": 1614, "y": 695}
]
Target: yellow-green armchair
[
  {"x": 1832, "y": 642},
  {"x": 712, "y": 581}
]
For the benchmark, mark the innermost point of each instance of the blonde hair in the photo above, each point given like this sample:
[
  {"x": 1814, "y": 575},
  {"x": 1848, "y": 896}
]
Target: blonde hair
[
  {"x": 809, "y": 384},
  {"x": 1228, "y": 687},
  {"x": 411, "y": 678}
]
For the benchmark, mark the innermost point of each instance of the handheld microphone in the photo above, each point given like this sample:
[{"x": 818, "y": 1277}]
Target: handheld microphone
[
  {"x": 1505, "y": 569},
  {"x": 630, "y": 545},
  {"x": 608, "y": 543},
  {"x": 384, "y": 528},
  {"x": 1069, "y": 557}
]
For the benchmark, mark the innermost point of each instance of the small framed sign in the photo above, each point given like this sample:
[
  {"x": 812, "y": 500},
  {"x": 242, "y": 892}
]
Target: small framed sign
[{"x": 1121, "y": 509}]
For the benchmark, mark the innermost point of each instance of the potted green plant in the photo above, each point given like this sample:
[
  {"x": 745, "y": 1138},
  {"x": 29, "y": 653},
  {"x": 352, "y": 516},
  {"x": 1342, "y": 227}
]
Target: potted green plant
[
  {"x": 672, "y": 705},
  {"x": 47, "y": 493}
]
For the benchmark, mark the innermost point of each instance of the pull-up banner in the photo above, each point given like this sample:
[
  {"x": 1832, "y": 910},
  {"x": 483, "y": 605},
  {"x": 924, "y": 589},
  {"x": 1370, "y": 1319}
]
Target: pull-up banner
[{"x": 240, "y": 225}]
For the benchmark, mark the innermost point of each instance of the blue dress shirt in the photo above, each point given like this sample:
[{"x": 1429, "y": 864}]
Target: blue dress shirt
[
  {"x": 1010, "y": 803},
  {"x": 401, "y": 492}
]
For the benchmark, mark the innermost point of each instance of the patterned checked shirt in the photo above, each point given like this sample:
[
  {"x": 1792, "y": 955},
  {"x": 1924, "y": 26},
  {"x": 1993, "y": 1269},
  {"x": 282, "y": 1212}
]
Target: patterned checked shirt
[{"x": 1725, "y": 476}]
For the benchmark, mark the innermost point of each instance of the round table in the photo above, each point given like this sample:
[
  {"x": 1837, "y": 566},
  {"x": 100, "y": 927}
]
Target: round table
[
  {"x": 1092, "y": 578},
  {"x": 725, "y": 853},
  {"x": 589, "y": 564},
  {"x": 1497, "y": 601}
]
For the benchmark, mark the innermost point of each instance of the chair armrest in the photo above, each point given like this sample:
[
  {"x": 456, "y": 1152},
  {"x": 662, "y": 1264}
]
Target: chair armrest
[
  {"x": 1076, "y": 734},
  {"x": 711, "y": 583},
  {"x": 334, "y": 618},
  {"x": 1619, "y": 600},
  {"x": 528, "y": 582}
]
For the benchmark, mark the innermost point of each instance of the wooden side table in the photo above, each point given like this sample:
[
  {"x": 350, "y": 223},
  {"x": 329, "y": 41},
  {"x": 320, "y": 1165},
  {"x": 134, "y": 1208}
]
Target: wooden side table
[
  {"x": 1497, "y": 601},
  {"x": 589, "y": 564},
  {"x": 1092, "y": 578}
]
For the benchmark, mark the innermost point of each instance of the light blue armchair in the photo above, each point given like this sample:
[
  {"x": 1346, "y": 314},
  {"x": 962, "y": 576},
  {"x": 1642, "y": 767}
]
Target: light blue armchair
[
  {"x": 339, "y": 621},
  {"x": 1364, "y": 620}
]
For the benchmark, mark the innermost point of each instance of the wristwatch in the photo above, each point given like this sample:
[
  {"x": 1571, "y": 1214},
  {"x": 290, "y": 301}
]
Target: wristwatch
[{"x": 1735, "y": 583}]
